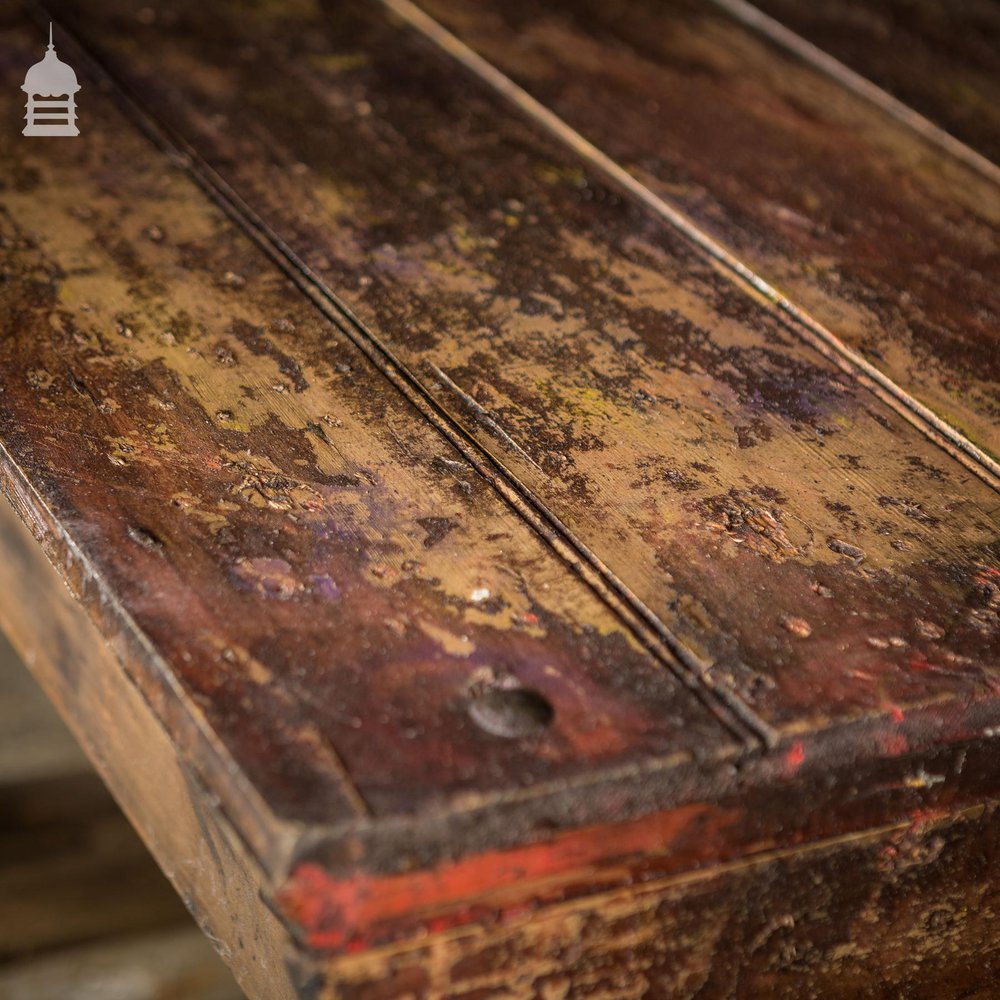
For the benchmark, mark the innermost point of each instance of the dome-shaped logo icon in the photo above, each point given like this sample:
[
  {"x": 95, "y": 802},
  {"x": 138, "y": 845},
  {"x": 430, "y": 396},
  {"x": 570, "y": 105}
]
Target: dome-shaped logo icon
[{"x": 51, "y": 87}]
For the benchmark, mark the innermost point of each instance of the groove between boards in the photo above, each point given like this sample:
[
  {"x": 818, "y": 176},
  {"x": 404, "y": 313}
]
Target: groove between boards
[{"x": 730, "y": 710}]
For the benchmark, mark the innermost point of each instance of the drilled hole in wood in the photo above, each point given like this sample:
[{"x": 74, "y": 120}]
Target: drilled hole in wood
[
  {"x": 511, "y": 712},
  {"x": 145, "y": 537}
]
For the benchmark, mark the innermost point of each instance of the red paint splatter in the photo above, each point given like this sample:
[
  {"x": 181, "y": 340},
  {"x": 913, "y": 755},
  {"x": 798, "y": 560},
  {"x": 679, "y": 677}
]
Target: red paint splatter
[
  {"x": 795, "y": 756},
  {"x": 924, "y": 816},
  {"x": 359, "y": 909},
  {"x": 894, "y": 744}
]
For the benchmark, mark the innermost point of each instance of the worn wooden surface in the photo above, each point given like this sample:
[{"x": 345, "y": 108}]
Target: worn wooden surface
[
  {"x": 276, "y": 516},
  {"x": 476, "y": 541},
  {"x": 696, "y": 448},
  {"x": 180, "y": 822},
  {"x": 906, "y": 911}
]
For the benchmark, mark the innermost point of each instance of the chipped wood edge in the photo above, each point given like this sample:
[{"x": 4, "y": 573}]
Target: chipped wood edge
[
  {"x": 268, "y": 836},
  {"x": 707, "y": 918}
]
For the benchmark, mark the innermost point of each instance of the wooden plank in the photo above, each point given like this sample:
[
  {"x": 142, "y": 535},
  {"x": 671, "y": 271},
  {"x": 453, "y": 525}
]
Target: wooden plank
[
  {"x": 886, "y": 242},
  {"x": 267, "y": 599},
  {"x": 908, "y": 911},
  {"x": 330, "y": 581},
  {"x": 939, "y": 57},
  {"x": 763, "y": 509}
]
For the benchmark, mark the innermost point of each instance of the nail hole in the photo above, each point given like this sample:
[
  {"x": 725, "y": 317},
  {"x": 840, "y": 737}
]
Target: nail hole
[
  {"x": 510, "y": 712},
  {"x": 146, "y": 538}
]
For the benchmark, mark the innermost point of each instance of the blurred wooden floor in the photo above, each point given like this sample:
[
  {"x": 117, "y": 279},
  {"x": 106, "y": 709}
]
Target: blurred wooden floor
[{"x": 85, "y": 914}]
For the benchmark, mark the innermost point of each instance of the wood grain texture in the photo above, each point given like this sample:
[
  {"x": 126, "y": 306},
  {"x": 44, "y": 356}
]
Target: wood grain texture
[
  {"x": 941, "y": 57},
  {"x": 174, "y": 443},
  {"x": 887, "y": 241},
  {"x": 708, "y": 458}
]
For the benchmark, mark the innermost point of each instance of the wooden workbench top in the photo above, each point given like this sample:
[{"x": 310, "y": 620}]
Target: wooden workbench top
[{"x": 501, "y": 486}]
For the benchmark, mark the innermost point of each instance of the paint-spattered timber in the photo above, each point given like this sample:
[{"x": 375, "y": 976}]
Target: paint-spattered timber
[
  {"x": 814, "y": 551},
  {"x": 905, "y": 911},
  {"x": 392, "y": 736}
]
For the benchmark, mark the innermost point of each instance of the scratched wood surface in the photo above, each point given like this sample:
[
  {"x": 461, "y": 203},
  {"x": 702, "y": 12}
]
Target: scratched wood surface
[
  {"x": 257, "y": 513},
  {"x": 481, "y": 542}
]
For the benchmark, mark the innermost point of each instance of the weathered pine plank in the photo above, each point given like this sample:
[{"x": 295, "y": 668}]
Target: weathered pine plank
[
  {"x": 813, "y": 551},
  {"x": 885, "y": 240},
  {"x": 224, "y": 888},
  {"x": 298, "y": 554}
]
